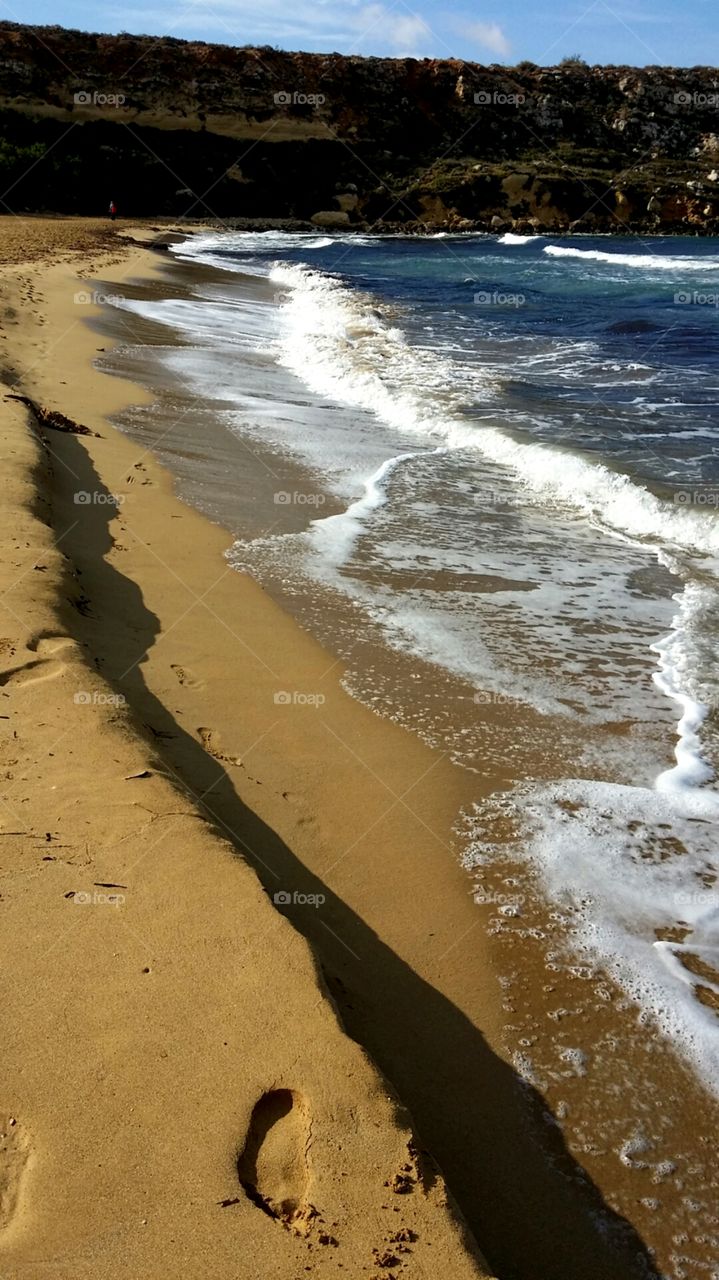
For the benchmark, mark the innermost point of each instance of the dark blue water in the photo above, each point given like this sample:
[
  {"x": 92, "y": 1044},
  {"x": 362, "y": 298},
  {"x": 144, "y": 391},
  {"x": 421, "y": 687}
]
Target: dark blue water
[{"x": 619, "y": 355}]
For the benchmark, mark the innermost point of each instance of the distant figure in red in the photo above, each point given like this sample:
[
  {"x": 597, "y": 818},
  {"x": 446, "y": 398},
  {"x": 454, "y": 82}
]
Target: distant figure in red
[{"x": 112, "y": 210}]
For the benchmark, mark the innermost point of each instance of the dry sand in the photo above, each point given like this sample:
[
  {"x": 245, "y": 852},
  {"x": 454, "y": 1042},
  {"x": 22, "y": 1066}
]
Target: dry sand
[{"x": 155, "y": 1040}]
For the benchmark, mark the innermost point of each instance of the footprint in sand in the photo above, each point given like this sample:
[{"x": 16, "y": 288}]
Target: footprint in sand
[
  {"x": 210, "y": 740},
  {"x": 19, "y": 675},
  {"x": 272, "y": 1166},
  {"x": 46, "y": 666},
  {"x": 51, "y": 646},
  {"x": 14, "y": 1151},
  {"x": 186, "y": 677}
]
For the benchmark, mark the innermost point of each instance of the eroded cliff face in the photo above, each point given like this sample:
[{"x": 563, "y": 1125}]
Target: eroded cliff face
[{"x": 207, "y": 131}]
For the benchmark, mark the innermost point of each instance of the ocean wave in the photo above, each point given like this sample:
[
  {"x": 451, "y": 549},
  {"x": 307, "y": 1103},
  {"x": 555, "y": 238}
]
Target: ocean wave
[
  {"x": 219, "y": 249},
  {"x": 342, "y": 345},
  {"x": 649, "y": 261},
  {"x": 511, "y": 238}
]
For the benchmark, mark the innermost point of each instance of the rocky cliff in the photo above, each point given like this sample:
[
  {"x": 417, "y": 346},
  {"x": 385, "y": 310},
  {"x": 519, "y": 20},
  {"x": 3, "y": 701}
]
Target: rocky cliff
[{"x": 190, "y": 129}]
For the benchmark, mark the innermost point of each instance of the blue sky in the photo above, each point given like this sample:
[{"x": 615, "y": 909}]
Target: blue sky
[{"x": 674, "y": 32}]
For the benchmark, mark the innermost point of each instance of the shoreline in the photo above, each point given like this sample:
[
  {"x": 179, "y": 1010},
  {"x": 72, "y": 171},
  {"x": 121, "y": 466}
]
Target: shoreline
[
  {"x": 424, "y": 231},
  {"x": 200, "y": 666},
  {"x": 183, "y": 227}
]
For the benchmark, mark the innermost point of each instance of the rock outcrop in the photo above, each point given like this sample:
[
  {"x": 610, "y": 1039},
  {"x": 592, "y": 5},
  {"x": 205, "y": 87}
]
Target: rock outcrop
[{"x": 190, "y": 129}]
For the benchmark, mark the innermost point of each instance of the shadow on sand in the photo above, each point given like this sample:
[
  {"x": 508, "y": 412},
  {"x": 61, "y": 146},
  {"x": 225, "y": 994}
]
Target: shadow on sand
[{"x": 533, "y": 1210}]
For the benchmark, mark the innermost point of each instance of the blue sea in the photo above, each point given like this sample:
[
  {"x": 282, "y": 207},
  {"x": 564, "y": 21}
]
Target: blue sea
[{"x": 491, "y": 478}]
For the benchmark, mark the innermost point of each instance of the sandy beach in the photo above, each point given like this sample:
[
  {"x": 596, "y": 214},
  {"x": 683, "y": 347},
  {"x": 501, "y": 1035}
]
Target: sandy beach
[{"x": 253, "y": 1020}]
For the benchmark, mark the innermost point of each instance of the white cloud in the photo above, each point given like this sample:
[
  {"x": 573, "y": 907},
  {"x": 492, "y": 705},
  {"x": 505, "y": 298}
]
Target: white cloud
[
  {"x": 401, "y": 33},
  {"x": 350, "y": 27},
  {"x": 488, "y": 35}
]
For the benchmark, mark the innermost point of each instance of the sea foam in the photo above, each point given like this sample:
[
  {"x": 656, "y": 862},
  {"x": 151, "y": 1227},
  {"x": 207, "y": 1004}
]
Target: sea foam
[
  {"x": 653, "y": 261},
  {"x": 338, "y": 342}
]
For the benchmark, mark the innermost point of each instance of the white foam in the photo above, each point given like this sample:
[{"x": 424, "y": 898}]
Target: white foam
[
  {"x": 678, "y": 671},
  {"x": 653, "y": 261},
  {"x": 624, "y": 863},
  {"x": 335, "y": 535},
  {"x": 603, "y": 494},
  {"x": 620, "y": 863},
  {"x": 239, "y": 250},
  {"x": 511, "y": 238},
  {"x": 338, "y": 342}
]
